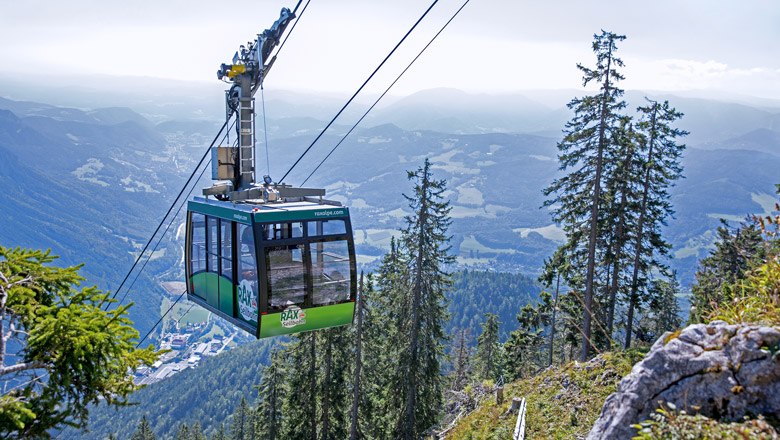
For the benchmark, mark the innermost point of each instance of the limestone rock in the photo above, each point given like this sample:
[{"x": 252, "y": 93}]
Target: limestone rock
[{"x": 719, "y": 370}]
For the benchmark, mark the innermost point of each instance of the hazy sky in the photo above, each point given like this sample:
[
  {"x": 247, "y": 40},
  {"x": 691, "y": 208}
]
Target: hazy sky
[{"x": 493, "y": 46}]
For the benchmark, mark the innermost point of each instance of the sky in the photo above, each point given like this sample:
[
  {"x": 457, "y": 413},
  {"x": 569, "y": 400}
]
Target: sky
[{"x": 494, "y": 46}]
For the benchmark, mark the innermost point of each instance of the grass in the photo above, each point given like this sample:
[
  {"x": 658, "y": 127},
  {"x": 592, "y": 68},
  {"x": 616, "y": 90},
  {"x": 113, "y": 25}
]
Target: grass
[
  {"x": 667, "y": 424},
  {"x": 563, "y": 402}
]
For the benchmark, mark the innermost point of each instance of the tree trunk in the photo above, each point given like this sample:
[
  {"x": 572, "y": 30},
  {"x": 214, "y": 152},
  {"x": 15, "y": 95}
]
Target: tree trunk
[
  {"x": 313, "y": 383},
  {"x": 620, "y": 240},
  {"x": 408, "y": 431},
  {"x": 353, "y": 431},
  {"x": 632, "y": 298},
  {"x": 587, "y": 313},
  {"x": 552, "y": 320},
  {"x": 326, "y": 386}
]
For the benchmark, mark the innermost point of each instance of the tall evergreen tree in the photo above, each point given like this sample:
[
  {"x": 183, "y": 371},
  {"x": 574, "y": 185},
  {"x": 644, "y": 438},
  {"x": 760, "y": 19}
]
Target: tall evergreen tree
[
  {"x": 196, "y": 432},
  {"x": 333, "y": 391},
  {"x": 488, "y": 357},
  {"x": 661, "y": 168},
  {"x": 462, "y": 361},
  {"x": 358, "y": 368},
  {"x": 183, "y": 433},
  {"x": 377, "y": 412},
  {"x": 271, "y": 391},
  {"x": 242, "y": 422},
  {"x": 584, "y": 150},
  {"x": 220, "y": 434},
  {"x": 554, "y": 268},
  {"x": 300, "y": 400},
  {"x": 417, "y": 380},
  {"x": 143, "y": 431}
]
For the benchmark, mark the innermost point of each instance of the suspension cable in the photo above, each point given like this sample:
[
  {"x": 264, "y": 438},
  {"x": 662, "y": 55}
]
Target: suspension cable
[
  {"x": 183, "y": 188},
  {"x": 386, "y": 90},
  {"x": 359, "y": 89},
  {"x": 177, "y": 299},
  {"x": 167, "y": 228},
  {"x": 294, "y": 24}
]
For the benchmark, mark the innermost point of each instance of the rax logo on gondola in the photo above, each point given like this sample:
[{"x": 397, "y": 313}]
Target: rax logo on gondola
[
  {"x": 247, "y": 301},
  {"x": 292, "y": 316}
]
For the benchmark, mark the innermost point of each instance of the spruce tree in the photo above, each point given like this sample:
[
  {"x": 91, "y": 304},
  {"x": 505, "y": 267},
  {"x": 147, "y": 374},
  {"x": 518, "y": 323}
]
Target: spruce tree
[
  {"x": 196, "y": 432},
  {"x": 143, "y": 431},
  {"x": 242, "y": 422},
  {"x": 220, "y": 434},
  {"x": 462, "y": 361},
  {"x": 583, "y": 152},
  {"x": 271, "y": 391},
  {"x": 488, "y": 357},
  {"x": 354, "y": 427},
  {"x": 377, "y": 412},
  {"x": 183, "y": 433},
  {"x": 333, "y": 383},
  {"x": 662, "y": 154},
  {"x": 423, "y": 311},
  {"x": 554, "y": 269},
  {"x": 300, "y": 401}
]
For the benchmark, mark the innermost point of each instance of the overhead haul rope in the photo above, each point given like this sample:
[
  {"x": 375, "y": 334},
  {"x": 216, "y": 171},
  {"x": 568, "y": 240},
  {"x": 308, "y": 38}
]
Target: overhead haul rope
[
  {"x": 173, "y": 220},
  {"x": 359, "y": 89},
  {"x": 180, "y": 296},
  {"x": 183, "y": 188},
  {"x": 387, "y": 90}
]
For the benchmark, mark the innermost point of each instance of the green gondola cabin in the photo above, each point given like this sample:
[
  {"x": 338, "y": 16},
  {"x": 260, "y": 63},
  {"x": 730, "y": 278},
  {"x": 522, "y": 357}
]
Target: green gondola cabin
[{"x": 272, "y": 269}]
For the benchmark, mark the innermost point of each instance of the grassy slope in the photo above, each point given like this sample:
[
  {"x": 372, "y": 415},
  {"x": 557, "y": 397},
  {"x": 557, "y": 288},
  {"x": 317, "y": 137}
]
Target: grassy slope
[{"x": 563, "y": 402}]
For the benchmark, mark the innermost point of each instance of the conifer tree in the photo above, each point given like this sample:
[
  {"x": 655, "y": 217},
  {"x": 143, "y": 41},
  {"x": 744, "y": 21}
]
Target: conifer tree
[
  {"x": 300, "y": 401},
  {"x": 183, "y": 433},
  {"x": 377, "y": 412},
  {"x": 661, "y": 168},
  {"x": 418, "y": 382},
  {"x": 196, "y": 432},
  {"x": 333, "y": 392},
  {"x": 358, "y": 368},
  {"x": 488, "y": 357},
  {"x": 242, "y": 422},
  {"x": 735, "y": 253},
  {"x": 220, "y": 434},
  {"x": 554, "y": 269},
  {"x": 462, "y": 362},
  {"x": 271, "y": 391},
  {"x": 584, "y": 150},
  {"x": 143, "y": 431}
]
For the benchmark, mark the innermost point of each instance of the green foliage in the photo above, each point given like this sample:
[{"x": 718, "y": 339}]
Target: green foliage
[
  {"x": 667, "y": 424},
  {"x": 421, "y": 306},
  {"x": 59, "y": 350},
  {"x": 475, "y": 292},
  {"x": 563, "y": 402},
  {"x": 143, "y": 431},
  {"x": 755, "y": 299},
  {"x": 488, "y": 360},
  {"x": 270, "y": 393}
]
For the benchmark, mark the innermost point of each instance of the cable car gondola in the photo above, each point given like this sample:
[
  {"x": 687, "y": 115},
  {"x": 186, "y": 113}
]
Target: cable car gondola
[{"x": 270, "y": 258}]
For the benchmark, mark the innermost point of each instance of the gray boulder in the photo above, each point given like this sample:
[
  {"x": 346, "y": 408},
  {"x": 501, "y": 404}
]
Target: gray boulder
[{"x": 719, "y": 370}]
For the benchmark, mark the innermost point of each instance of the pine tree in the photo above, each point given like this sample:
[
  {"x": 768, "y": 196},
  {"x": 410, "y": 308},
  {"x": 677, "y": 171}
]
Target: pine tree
[
  {"x": 356, "y": 375},
  {"x": 143, "y": 431},
  {"x": 462, "y": 364},
  {"x": 554, "y": 269},
  {"x": 377, "y": 412},
  {"x": 488, "y": 357},
  {"x": 417, "y": 380},
  {"x": 220, "y": 434},
  {"x": 183, "y": 433},
  {"x": 271, "y": 391},
  {"x": 242, "y": 422},
  {"x": 333, "y": 390},
  {"x": 196, "y": 432},
  {"x": 661, "y": 168},
  {"x": 300, "y": 401},
  {"x": 584, "y": 150},
  {"x": 663, "y": 307}
]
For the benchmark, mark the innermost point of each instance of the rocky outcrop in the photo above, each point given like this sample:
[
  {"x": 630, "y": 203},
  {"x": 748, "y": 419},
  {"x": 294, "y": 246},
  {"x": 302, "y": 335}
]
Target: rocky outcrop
[{"x": 719, "y": 370}]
